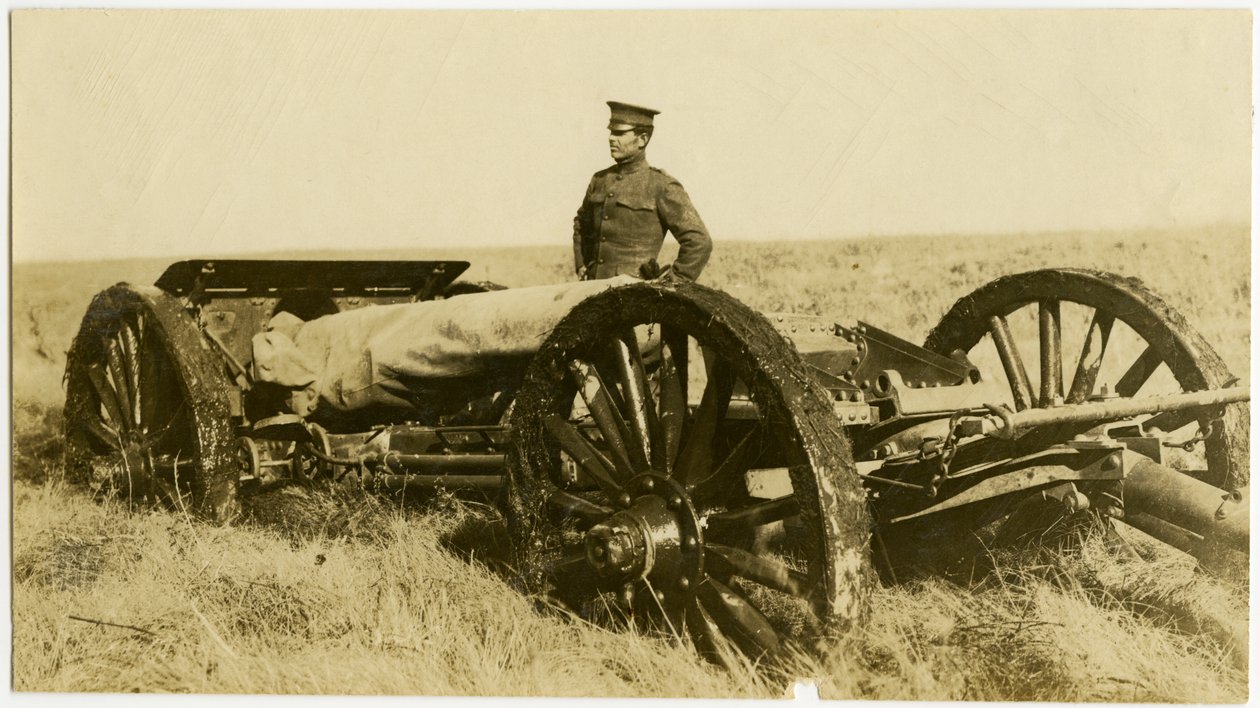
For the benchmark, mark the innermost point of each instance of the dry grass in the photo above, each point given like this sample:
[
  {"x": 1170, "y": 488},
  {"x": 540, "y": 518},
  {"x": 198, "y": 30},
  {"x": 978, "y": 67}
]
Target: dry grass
[
  {"x": 259, "y": 609},
  {"x": 337, "y": 593},
  {"x": 395, "y": 607}
]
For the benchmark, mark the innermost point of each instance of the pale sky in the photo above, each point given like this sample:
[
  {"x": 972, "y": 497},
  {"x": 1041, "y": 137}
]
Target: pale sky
[{"x": 184, "y": 133}]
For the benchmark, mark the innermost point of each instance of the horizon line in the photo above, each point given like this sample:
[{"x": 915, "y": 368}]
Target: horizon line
[{"x": 278, "y": 254}]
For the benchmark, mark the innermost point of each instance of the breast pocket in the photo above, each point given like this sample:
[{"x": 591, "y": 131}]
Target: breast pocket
[
  {"x": 635, "y": 216},
  {"x": 636, "y": 202}
]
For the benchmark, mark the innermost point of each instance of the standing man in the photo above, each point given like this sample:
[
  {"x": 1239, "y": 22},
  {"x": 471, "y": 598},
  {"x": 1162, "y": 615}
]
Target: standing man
[{"x": 628, "y": 208}]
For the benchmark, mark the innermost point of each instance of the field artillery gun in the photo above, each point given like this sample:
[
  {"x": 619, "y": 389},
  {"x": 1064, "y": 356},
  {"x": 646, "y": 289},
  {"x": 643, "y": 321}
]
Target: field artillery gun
[{"x": 661, "y": 451}]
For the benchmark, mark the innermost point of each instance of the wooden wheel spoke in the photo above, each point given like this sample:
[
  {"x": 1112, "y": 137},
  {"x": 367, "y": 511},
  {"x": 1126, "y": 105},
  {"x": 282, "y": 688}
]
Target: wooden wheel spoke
[
  {"x": 120, "y": 377},
  {"x": 737, "y": 618},
  {"x": 1092, "y": 351},
  {"x": 129, "y": 343},
  {"x": 603, "y": 366},
  {"x": 155, "y": 385},
  {"x": 729, "y": 473},
  {"x": 673, "y": 396},
  {"x": 584, "y": 454},
  {"x": 1050, "y": 336},
  {"x": 107, "y": 396},
  {"x": 759, "y": 514},
  {"x": 571, "y": 505},
  {"x": 1138, "y": 372},
  {"x": 612, "y": 427},
  {"x": 706, "y": 634},
  {"x": 1012, "y": 363},
  {"x": 636, "y": 399},
  {"x": 695, "y": 461},
  {"x": 100, "y": 431},
  {"x": 728, "y": 560}
]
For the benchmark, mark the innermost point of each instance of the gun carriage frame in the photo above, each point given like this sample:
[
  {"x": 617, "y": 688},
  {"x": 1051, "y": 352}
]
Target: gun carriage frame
[{"x": 722, "y": 475}]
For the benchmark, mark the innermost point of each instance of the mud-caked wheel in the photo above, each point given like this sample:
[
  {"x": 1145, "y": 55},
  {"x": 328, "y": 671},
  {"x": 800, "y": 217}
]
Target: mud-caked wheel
[
  {"x": 1087, "y": 336},
  {"x": 676, "y": 467},
  {"x": 147, "y": 413},
  {"x": 1126, "y": 338}
]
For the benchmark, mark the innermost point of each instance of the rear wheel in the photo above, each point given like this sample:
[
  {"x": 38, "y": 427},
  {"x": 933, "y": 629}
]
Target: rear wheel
[
  {"x": 669, "y": 510},
  {"x": 1126, "y": 338},
  {"x": 147, "y": 412},
  {"x": 1087, "y": 335}
]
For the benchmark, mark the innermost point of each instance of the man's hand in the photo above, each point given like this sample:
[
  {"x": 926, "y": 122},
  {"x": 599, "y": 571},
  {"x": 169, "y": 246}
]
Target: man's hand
[
  {"x": 581, "y": 272},
  {"x": 650, "y": 270},
  {"x": 653, "y": 271},
  {"x": 669, "y": 275}
]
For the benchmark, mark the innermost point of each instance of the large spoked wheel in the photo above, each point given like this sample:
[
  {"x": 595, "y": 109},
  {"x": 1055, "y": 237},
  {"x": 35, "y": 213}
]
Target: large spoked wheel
[
  {"x": 147, "y": 412},
  {"x": 1116, "y": 334},
  {"x": 665, "y": 437}
]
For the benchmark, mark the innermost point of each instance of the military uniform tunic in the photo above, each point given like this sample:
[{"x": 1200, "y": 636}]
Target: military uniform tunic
[{"x": 623, "y": 219}]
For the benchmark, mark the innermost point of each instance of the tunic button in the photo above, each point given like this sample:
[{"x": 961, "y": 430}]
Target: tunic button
[
  {"x": 601, "y": 260},
  {"x": 618, "y": 178},
  {"x": 605, "y": 217},
  {"x": 610, "y": 194}
]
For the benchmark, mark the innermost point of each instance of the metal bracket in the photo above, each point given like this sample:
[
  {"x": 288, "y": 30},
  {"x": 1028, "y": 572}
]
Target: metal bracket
[
  {"x": 855, "y": 413},
  {"x": 880, "y": 351},
  {"x": 912, "y": 400},
  {"x": 1097, "y": 462}
]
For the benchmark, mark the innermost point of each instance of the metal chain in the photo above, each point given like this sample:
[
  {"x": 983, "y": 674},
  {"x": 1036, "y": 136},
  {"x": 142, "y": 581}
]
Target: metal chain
[
  {"x": 1203, "y": 435},
  {"x": 948, "y": 449}
]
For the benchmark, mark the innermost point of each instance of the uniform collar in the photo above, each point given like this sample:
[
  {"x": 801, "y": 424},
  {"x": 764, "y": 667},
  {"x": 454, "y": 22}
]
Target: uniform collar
[{"x": 634, "y": 164}]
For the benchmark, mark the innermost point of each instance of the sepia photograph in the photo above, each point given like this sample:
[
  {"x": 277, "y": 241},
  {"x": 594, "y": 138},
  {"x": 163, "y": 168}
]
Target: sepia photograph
[{"x": 631, "y": 354}]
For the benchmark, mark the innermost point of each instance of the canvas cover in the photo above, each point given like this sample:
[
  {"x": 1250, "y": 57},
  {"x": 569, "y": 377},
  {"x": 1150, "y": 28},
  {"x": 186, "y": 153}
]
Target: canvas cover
[{"x": 436, "y": 354}]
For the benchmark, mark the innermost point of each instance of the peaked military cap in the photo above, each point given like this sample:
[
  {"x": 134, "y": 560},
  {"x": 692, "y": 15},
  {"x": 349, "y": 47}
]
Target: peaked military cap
[{"x": 626, "y": 117}]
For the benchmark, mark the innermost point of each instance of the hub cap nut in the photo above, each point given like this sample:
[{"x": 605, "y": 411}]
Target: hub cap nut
[{"x": 613, "y": 549}]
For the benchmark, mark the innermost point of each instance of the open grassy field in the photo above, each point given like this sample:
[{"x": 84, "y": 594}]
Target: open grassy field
[{"x": 355, "y": 594}]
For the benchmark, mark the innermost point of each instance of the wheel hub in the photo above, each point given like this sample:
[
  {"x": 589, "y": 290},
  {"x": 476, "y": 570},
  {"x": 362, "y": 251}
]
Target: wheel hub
[
  {"x": 657, "y": 537},
  {"x": 127, "y": 463},
  {"x": 618, "y": 547},
  {"x": 133, "y": 456}
]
